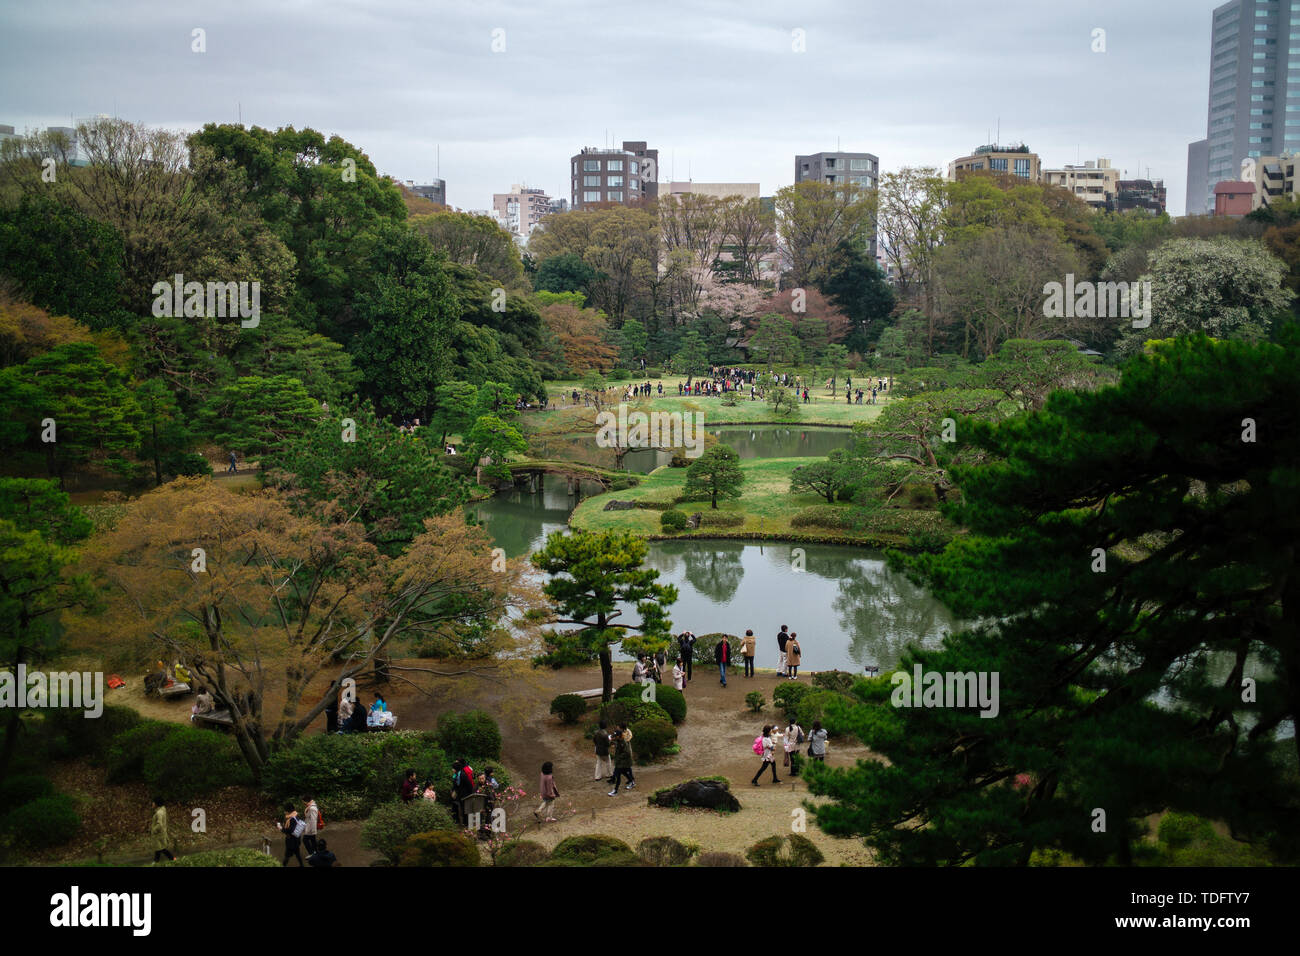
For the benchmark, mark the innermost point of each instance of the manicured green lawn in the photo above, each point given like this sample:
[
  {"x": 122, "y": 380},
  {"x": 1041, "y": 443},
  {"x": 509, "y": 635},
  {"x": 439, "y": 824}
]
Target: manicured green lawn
[
  {"x": 766, "y": 504},
  {"x": 821, "y": 411}
]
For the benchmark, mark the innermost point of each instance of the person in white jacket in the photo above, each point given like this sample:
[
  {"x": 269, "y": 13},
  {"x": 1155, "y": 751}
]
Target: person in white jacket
[
  {"x": 793, "y": 735},
  {"x": 770, "y": 738},
  {"x": 679, "y": 676}
]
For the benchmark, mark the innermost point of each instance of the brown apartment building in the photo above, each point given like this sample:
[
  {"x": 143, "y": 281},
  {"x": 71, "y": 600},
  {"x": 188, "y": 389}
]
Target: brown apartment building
[{"x": 627, "y": 176}]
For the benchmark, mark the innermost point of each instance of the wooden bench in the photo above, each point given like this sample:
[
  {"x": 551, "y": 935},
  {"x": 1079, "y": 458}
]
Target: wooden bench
[
  {"x": 593, "y": 694},
  {"x": 174, "y": 689},
  {"x": 217, "y": 718}
]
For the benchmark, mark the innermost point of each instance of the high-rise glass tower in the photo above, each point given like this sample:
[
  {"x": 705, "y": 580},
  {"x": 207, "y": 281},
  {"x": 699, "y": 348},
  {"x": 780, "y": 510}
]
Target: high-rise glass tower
[{"x": 1254, "y": 92}]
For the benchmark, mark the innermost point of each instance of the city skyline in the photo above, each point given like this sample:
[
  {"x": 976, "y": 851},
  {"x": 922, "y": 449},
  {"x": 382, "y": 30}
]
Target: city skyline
[{"x": 724, "y": 94}]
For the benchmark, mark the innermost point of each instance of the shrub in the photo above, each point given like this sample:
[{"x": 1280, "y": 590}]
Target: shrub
[
  {"x": 755, "y": 700},
  {"x": 621, "y": 484},
  {"x": 44, "y": 822},
  {"x": 618, "y": 859},
  {"x": 839, "y": 681},
  {"x": 705, "y": 644},
  {"x": 588, "y": 848},
  {"x": 654, "y": 373},
  {"x": 392, "y": 824},
  {"x": 471, "y": 734},
  {"x": 439, "y": 848},
  {"x": 720, "y": 519},
  {"x": 812, "y": 707},
  {"x": 788, "y": 695},
  {"x": 90, "y": 738},
  {"x": 570, "y": 707},
  {"x": 650, "y": 737},
  {"x": 793, "y": 850},
  {"x": 190, "y": 761},
  {"x": 521, "y": 853},
  {"x": 630, "y": 712},
  {"x": 670, "y": 699},
  {"x": 127, "y": 754},
  {"x": 714, "y": 858},
  {"x": 663, "y": 851},
  {"x": 673, "y": 520},
  {"x": 1179, "y": 830},
  {"x": 618, "y": 375},
  {"x": 21, "y": 789},
  {"x": 237, "y": 856},
  {"x": 354, "y": 773}
]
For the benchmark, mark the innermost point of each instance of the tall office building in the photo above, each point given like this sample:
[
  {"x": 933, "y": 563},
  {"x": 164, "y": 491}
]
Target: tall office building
[
  {"x": 627, "y": 176},
  {"x": 1254, "y": 103},
  {"x": 521, "y": 209}
]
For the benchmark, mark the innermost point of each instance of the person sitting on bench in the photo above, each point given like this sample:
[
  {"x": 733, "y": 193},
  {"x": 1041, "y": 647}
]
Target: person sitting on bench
[{"x": 202, "y": 704}]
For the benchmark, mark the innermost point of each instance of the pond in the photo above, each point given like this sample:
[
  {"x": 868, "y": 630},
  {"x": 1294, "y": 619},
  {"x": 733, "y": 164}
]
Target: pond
[{"x": 849, "y": 609}]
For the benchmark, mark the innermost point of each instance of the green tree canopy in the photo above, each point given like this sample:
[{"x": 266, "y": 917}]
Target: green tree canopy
[{"x": 715, "y": 474}]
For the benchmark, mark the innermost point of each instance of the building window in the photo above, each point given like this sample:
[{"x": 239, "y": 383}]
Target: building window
[
  {"x": 1022, "y": 168},
  {"x": 863, "y": 164},
  {"x": 593, "y": 196},
  {"x": 998, "y": 164},
  {"x": 616, "y": 196},
  {"x": 830, "y": 162},
  {"x": 575, "y": 167},
  {"x": 614, "y": 181},
  {"x": 615, "y": 165},
  {"x": 591, "y": 180},
  {"x": 632, "y": 167},
  {"x": 591, "y": 165}
]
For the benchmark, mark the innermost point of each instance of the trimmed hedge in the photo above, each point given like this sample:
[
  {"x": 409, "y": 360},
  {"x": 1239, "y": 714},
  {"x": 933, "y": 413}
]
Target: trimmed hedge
[
  {"x": 570, "y": 708},
  {"x": 629, "y": 712},
  {"x": 664, "y": 851},
  {"x": 792, "y": 850},
  {"x": 788, "y": 695},
  {"x": 719, "y": 859},
  {"x": 812, "y": 706},
  {"x": 673, "y": 520},
  {"x": 350, "y": 775},
  {"x": 238, "y": 856},
  {"x": 44, "y": 822},
  {"x": 84, "y": 737},
  {"x": 651, "y": 737},
  {"x": 839, "y": 681},
  {"x": 128, "y": 752},
  {"x": 473, "y": 734},
  {"x": 669, "y": 698},
  {"x": 190, "y": 761},
  {"x": 720, "y": 519},
  {"x": 521, "y": 853},
  {"x": 439, "y": 848},
  {"x": 589, "y": 848},
  {"x": 392, "y": 824},
  {"x": 22, "y": 789}
]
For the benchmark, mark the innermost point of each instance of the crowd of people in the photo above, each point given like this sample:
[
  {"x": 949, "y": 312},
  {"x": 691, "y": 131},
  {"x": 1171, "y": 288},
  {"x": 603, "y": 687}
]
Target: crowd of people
[{"x": 789, "y": 655}]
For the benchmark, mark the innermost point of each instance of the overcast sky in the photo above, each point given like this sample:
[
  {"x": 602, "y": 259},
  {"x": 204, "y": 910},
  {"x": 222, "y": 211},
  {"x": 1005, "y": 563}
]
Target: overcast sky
[{"x": 716, "y": 86}]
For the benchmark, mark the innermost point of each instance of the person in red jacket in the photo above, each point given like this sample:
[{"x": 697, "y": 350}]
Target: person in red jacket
[
  {"x": 723, "y": 656},
  {"x": 407, "y": 793}
]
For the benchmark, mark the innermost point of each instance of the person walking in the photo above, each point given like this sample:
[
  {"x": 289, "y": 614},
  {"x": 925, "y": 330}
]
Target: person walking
[
  {"x": 781, "y": 640},
  {"x": 679, "y": 676},
  {"x": 686, "y": 641},
  {"x": 747, "y": 651},
  {"x": 311, "y": 818},
  {"x": 234, "y": 466},
  {"x": 817, "y": 742},
  {"x": 162, "y": 840},
  {"x": 793, "y": 655},
  {"x": 549, "y": 793},
  {"x": 622, "y": 759},
  {"x": 723, "y": 656},
  {"x": 766, "y": 745},
  {"x": 292, "y": 827},
  {"x": 604, "y": 766},
  {"x": 793, "y": 738}
]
